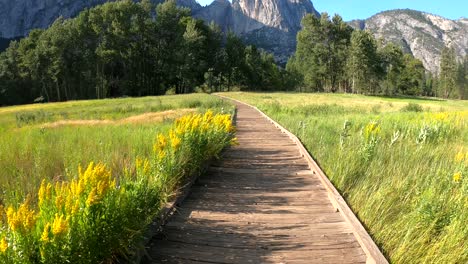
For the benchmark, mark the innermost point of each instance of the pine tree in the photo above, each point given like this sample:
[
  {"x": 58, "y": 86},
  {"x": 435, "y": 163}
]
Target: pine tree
[{"x": 448, "y": 72}]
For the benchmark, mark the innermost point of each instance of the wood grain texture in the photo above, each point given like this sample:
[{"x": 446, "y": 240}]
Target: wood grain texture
[{"x": 260, "y": 204}]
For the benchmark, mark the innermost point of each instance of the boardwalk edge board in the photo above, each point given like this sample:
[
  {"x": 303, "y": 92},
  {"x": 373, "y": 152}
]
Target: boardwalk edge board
[{"x": 373, "y": 253}]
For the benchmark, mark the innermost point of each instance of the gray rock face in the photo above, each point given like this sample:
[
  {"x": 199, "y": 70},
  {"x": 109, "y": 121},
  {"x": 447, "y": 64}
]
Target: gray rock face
[
  {"x": 17, "y": 18},
  {"x": 424, "y": 35},
  {"x": 285, "y": 15},
  {"x": 269, "y": 24}
]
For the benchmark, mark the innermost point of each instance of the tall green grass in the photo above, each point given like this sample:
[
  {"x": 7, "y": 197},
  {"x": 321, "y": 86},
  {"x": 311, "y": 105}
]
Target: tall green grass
[
  {"x": 85, "y": 192},
  {"x": 32, "y": 148},
  {"x": 402, "y": 165}
]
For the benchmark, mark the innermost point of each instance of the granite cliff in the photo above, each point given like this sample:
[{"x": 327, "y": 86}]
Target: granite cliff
[
  {"x": 269, "y": 24},
  {"x": 421, "y": 34}
]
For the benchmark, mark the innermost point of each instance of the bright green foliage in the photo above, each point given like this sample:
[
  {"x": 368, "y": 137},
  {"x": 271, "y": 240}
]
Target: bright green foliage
[
  {"x": 401, "y": 164},
  {"x": 331, "y": 56},
  {"x": 363, "y": 63},
  {"x": 320, "y": 57},
  {"x": 49, "y": 140},
  {"x": 126, "y": 48},
  {"x": 448, "y": 73},
  {"x": 412, "y": 78}
]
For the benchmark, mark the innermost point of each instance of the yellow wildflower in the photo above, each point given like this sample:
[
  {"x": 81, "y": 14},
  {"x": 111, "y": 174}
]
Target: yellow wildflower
[
  {"x": 146, "y": 166},
  {"x": 138, "y": 163},
  {"x": 76, "y": 207},
  {"x": 42, "y": 193},
  {"x": 70, "y": 202},
  {"x": 160, "y": 144},
  {"x": 175, "y": 141},
  {"x": 59, "y": 201},
  {"x": 460, "y": 156},
  {"x": 208, "y": 116},
  {"x": 372, "y": 129},
  {"x": 234, "y": 142},
  {"x": 3, "y": 245},
  {"x": 162, "y": 141},
  {"x": 86, "y": 175},
  {"x": 60, "y": 225},
  {"x": 161, "y": 154},
  {"x": 23, "y": 217},
  {"x": 195, "y": 124},
  {"x": 29, "y": 219},
  {"x": 80, "y": 187},
  {"x": 93, "y": 198},
  {"x": 102, "y": 187},
  {"x": 45, "y": 234},
  {"x": 12, "y": 218},
  {"x": 457, "y": 177}
]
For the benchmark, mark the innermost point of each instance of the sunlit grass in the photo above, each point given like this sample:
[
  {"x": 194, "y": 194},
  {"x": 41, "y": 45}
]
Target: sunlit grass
[
  {"x": 402, "y": 164},
  {"x": 59, "y": 136},
  {"x": 85, "y": 192}
]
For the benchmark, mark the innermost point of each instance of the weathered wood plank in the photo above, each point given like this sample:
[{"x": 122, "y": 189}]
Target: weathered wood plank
[{"x": 260, "y": 204}]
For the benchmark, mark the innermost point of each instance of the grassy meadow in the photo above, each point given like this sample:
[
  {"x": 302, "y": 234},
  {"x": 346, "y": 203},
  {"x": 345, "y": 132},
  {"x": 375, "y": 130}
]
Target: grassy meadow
[
  {"x": 401, "y": 163},
  {"x": 81, "y": 180}
]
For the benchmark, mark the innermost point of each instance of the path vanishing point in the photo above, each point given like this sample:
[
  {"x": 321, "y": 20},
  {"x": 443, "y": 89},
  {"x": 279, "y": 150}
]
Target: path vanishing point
[{"x": 265, "y": 201}]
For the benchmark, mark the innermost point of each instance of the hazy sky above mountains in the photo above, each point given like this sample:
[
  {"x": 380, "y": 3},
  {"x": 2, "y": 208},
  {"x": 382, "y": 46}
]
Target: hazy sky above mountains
[{"x": 361, "y": 9}]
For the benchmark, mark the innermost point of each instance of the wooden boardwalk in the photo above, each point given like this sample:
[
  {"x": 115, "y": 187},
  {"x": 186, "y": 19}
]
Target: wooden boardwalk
[{"x": 260, "y": 204}]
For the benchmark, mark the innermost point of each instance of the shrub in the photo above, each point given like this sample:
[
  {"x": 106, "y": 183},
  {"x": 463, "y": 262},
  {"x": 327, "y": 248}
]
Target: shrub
[{"x": 412, "y": 107}]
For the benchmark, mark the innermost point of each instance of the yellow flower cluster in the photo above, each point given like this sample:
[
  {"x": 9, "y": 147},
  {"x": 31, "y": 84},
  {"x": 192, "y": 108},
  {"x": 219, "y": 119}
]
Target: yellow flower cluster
[
  {"x": 191, "y": 125},
  {"x": 203, "y": 122},
  {"x": 372, "y": 129},
  {"x": 457, "y": 119},
  {"x": 142, "y": 165},
  {"x": 22, "y": 219},
  {"x": 60, "y": 225},
  {"x": 66, "y": 197},
  {"x": 457, "y": 177},
  {"x": 3, "y": 245},
  {"x": 45, "y": 237},
  {"x": 461, "y": 156},
  {"x": 96, "y": 178},
  {"x": 175, "y": 140},
  {"x": 44, "y": 192},
  {"x": 66, "y": 206}
]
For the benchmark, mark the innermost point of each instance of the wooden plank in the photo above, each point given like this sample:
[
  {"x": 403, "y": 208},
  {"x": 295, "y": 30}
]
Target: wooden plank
[
  {"x": 372, "y": 251},
  {"x": 260, "y": 204}
]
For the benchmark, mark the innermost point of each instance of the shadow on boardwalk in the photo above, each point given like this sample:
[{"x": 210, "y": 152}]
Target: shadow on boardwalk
[{"x": 259, "y": 204}]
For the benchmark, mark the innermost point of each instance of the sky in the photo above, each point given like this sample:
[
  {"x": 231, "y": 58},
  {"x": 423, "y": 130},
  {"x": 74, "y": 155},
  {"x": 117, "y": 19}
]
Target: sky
[{"x": 361, "y": 9}]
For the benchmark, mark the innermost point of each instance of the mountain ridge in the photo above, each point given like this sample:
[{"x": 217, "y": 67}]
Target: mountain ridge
[
  {"x": 424, "y": 35},
  {"x": 269, "y": 24}
]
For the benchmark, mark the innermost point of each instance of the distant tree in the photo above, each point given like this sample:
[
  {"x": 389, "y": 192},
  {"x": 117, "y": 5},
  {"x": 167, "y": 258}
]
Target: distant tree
[
  {"x": 363, "y": 68},
  {"x": 462, "y": 78},
  {"x": 448, "y": 72},
  {"x": 393, "y": 65},
  {"x": 412, "y": 78},
  {"x": 235, "y": 60},
  {"x": 339, "y": 45}
]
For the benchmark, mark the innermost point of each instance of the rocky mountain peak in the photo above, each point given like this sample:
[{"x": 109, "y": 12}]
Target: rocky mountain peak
[
  {"x": 285, "y": 15},
  {"x": 421, "y": 34}
]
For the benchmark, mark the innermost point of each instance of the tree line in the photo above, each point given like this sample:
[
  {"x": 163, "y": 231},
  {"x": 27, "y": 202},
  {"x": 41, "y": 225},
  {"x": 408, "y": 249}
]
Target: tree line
[
  {"x": 333, "y": 57},
  {"x": 125, "y": 48}
]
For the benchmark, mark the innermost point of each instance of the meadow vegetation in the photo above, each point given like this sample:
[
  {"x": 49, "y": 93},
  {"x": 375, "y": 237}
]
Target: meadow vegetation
[
  {"x": 85, "y": 192},
  {"x": 401, "y": 164}
]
